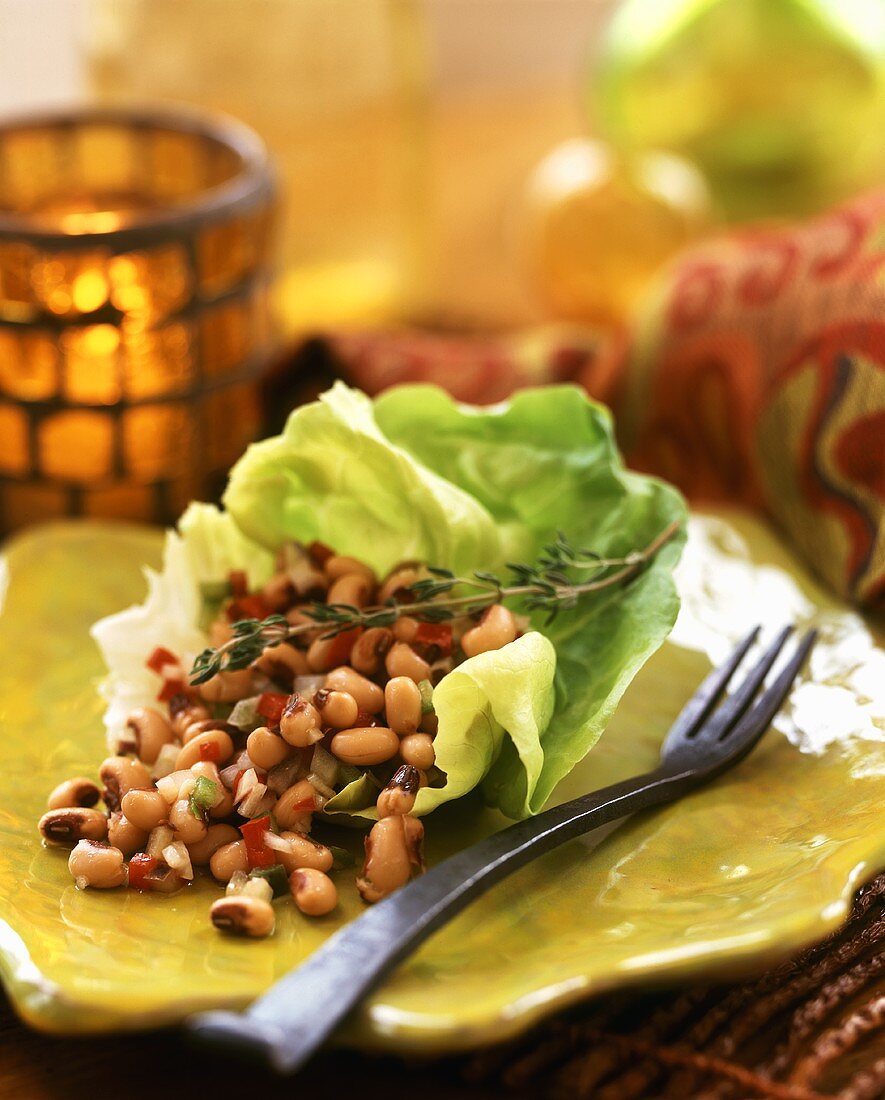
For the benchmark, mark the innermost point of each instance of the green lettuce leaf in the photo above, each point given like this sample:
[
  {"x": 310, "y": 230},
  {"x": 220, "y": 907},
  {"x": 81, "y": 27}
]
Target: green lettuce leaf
[
  {"x": 546, "y": 461},
  {"x": 494, "y": 698},
  {"x": 332, "y": 476}
]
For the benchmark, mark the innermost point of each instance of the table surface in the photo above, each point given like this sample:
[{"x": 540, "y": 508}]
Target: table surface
[{"x": 813, "y": 1027}]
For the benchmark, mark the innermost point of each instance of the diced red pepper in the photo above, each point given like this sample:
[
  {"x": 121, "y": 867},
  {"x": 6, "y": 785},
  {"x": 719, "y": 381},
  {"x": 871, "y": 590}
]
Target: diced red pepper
[
  {"x": 170, "y": 689},
  {"x": 319, "y": 553},
  {"x": 140, "y": 866},
  {"x": 271, "y": 705},
  {"x": 342, "y": 644},
  {"x": 257, "y": 853},
  {"x": 305, "y": 806},
  {"x": 210, "y": 751},
  {"x": 247, "y": 607},
  {"x": 159, "y": 658},
  {"x": 435, "y": 634},
  {"x": 239, "y": 583}
]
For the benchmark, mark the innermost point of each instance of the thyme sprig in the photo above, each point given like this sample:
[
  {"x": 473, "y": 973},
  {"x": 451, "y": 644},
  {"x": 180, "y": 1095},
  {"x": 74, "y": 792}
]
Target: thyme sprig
[{"x": 548, "y": 584}]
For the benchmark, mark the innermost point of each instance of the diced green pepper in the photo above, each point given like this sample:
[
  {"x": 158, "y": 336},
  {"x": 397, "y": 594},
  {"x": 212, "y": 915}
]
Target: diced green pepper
[
  {"x": 343, "y": 858},
  {"x": 203, "y": 797},
  {"x": 276, "y": 876},
  {"x": 426, "y": 689}
]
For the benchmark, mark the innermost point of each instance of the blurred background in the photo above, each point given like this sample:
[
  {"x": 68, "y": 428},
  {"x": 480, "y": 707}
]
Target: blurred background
[
  {"x": 502, "y": 181},
  {"x": 430, "y": 151}
]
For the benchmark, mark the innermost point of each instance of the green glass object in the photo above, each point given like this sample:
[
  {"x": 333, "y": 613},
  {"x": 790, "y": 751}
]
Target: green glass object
[{"x": 780, "y": 102}]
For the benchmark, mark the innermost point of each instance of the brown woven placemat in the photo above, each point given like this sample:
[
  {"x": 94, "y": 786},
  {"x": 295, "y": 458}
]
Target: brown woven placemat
[{"x": 812, "y": 1028}]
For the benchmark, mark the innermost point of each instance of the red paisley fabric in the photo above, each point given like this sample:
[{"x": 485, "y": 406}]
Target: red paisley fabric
[{"x": 756, "y": 374}]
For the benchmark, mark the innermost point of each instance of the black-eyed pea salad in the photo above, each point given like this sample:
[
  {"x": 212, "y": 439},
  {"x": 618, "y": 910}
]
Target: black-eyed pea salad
[{"x": 228, "y": 777}]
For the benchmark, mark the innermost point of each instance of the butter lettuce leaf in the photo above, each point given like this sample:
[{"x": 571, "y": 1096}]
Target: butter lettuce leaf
[
  {"x": 333, "y": 476},
  {"x": 493, "y": 698},
  {"x": 542, "y": 462}
]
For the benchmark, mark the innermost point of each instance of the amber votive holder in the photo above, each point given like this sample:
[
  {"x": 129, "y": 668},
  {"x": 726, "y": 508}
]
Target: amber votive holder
[{"x": 135, "y": 268}]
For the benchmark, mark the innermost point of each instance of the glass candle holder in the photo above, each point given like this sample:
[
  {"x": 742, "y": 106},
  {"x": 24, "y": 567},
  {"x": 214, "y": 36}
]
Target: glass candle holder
[{"x": 134, "y": 319}]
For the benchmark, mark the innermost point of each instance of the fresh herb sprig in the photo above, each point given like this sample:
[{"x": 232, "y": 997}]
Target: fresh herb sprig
[{"x": 548, "y": 584}]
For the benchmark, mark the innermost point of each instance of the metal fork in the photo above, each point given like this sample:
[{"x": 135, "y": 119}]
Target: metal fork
[{"x": 296, "y": 1016}]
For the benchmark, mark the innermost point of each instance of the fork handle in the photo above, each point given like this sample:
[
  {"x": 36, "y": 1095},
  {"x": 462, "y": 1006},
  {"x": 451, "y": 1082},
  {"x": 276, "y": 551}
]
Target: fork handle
[{"x": 300, "y": 1011}]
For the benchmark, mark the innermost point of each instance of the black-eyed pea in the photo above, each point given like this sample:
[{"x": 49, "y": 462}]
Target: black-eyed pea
[
  {"x": 308, "y": 631},
  {"x": 99, "y": 865},
  {"x": 365, "y": 746},
  {"x": 188, "y": 828},
  {"x": 214, "y": 745},
  {"x": 151, "y": 732},
  {"x": 72, "y": 824},
  {"x": 217, "y": 836},
  {"x": 339, "y": 565},
  {"x": 194, "y": 729},
  {"x": 417, "y": 749},
  {"x": 413, "y": 830},
  {"x": 393, "y": 856},
  {"x": 300, "y": 723},
  {"x": 120, "y": 774},
  {"x": 282, "y": 663},
  {"x": 398, "y": 797},
  {"x": 496, "y": 628},
  {"x": 402, "y": 660},
  {"x": 207, "y": 770},
  {"x": 279, "y": 593},
  {"x": 224, "y": 807},
  {"x": 243, "y": 915},
  {"x": 125, "y": 835},
  {"x": 403, "y": 576},
  {"x": 220, "y": 631},
  {"x": 369, "y": 697},
  {"x": 228, "y": 859},
  {"x": 73, "y": 792},
  {"x": 313, "y": 891},
  {"x": 429, "y": 723},
  {"x": 370, "y": 649},
  {"x": 309, "y": 581},
  {"x": 294, "y": 803},
  {"x": 324, "y": 652},
  {"x": 185, "y": 712},
  {"x": 227, "y": 687},
  {"x": 353, "y": 588},
  {"x": 338, "y": 709},
  {"x": 304, "y": 852},
  {"x": 402, "y": 705},
  {"x": 146, "y": 809},
  {"x": 266, "y": 748},
  {"x": 405, "y": 628}
]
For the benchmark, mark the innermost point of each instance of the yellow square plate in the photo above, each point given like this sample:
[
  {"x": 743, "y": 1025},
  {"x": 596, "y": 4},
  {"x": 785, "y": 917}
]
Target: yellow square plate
[{"x": 750, "y": 868}]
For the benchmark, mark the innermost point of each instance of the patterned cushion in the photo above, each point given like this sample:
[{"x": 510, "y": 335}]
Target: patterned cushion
[{"x": 756, "y": 373}]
